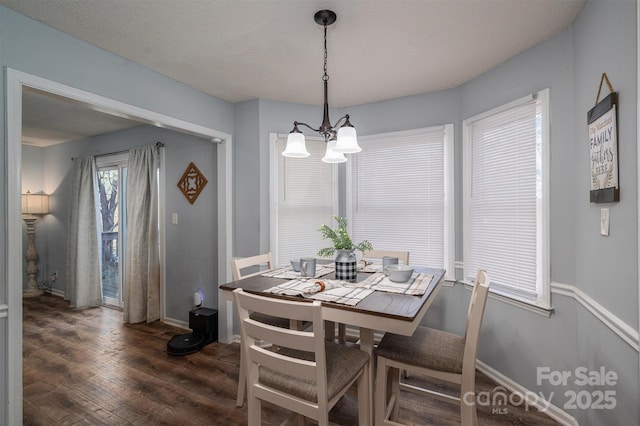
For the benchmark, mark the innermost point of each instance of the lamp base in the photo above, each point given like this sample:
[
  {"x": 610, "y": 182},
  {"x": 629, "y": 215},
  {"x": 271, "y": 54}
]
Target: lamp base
[{"x": 32, "y": 292}]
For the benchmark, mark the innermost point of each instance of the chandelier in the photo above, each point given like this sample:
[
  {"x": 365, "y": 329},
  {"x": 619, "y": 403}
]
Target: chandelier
[{"x": 339, "y": 142}]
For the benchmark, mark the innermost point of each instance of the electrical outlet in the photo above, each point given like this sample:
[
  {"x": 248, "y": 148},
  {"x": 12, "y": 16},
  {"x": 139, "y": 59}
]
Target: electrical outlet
[{"x": 54, "y": 276}]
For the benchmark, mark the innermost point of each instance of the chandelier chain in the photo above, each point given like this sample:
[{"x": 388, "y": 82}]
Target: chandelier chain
[{"x": 325, "y": 77}]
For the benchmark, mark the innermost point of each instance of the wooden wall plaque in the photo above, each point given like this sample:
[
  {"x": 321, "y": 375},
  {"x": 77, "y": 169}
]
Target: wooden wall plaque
[{"x": 192, "y": 182}]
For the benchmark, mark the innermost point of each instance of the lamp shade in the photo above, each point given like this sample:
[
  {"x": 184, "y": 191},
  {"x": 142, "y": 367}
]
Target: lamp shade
[
  {"x": 347, "y": 140},
  {"x": 331, "y": 156},
  {"x": 296, "y": 146},
  {"x": 35, "y": 204}
]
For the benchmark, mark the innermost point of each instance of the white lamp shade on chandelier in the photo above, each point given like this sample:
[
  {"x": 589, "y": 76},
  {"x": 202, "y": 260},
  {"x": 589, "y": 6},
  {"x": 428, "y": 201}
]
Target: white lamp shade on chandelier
[
  {"x": 331, "y": 155},
  {"x": 296, "y": 146},
  {"x": 347, "y": 140},
  {"x": 35, "y": 204}
]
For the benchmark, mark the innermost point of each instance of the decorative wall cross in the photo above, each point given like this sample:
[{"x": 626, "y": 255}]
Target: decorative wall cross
[{"x": 192, "y": 182}]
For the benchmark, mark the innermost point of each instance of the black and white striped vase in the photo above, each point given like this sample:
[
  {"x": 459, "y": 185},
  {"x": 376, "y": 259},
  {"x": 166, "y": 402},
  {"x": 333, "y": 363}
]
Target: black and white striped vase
[{"x": 346, "y": 265}]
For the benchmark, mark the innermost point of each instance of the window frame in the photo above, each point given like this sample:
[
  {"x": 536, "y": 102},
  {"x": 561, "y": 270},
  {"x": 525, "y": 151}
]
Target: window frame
[{"x": 543, "y": 278}]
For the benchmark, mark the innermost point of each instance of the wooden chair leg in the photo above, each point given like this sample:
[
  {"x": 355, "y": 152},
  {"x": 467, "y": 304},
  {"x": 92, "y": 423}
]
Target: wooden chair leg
[
  {"x": 300, "y": 420},
  {"x": 468, "y": 414},
  {"x": 330, "y": 330},
  {"x": 364, "y": 387},
  {"x": 323, "y": 418},
  {"x": 254, "y": 411},
  {"x": 242, "y": 382},
  {"x": 342, "y": 333},
  {"x": 394, "y": 390},
  {"x": 382, "y": 393}
]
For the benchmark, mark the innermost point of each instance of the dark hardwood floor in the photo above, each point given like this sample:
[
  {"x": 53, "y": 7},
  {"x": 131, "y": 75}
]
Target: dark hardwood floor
[{"x": 87, "y": 367}]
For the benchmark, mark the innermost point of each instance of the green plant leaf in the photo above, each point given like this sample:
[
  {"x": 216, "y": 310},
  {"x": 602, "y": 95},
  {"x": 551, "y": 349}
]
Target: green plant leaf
[{"x": 340, "y": 238}]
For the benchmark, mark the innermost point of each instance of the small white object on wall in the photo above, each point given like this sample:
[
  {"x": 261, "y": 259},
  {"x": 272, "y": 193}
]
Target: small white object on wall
[
  {"x": 604, "y": 221},
  {"x": 197, "y": 299}
]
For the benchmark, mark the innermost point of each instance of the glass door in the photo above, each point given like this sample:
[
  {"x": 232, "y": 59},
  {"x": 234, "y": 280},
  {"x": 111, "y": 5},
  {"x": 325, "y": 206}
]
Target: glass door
[{"x": 111, "y": 179}]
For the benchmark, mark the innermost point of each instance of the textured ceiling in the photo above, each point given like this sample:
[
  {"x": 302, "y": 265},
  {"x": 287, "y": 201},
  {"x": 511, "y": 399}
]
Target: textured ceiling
[
  {"x": 272, "y": 49},
  {"x": 49, "y": 120}
]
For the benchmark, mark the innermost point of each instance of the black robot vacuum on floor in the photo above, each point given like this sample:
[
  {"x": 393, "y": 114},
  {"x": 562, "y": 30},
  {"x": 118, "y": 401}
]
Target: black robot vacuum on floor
[
  {"x": 204, "y": 323},
  {"x": 184, "y": 344}
]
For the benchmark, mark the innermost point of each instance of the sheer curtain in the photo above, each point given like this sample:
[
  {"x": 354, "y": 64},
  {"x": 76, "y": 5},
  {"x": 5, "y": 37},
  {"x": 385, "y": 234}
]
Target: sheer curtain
[
  {"x": 142, "y": 260},
  {"x": 83, "y": 287}
]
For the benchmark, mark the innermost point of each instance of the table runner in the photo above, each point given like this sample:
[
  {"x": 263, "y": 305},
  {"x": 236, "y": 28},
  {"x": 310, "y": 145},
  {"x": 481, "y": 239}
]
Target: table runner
[
  {"x": 366, "y": 266},
  {"x": 289, "y": 274},
  {"x": 334, "y": 290}
]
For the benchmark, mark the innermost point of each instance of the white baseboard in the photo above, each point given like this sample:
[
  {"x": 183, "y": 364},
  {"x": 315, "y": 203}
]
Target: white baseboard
[
  {"x": 57, "y": 292},
  {"x": 176, "y": 323},
  {"x": 549, "y": 409}
]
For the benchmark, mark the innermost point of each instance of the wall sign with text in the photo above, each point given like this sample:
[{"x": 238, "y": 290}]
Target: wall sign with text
[{"x": 603, "y": 150}]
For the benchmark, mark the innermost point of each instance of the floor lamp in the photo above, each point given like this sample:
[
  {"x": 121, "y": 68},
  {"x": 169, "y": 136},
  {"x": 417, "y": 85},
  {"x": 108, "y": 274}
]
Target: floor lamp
[{"x": 33, "y": 207}]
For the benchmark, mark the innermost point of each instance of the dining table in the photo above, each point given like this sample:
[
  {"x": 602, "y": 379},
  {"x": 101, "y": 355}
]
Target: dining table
[{"x": 380, "y": 311}]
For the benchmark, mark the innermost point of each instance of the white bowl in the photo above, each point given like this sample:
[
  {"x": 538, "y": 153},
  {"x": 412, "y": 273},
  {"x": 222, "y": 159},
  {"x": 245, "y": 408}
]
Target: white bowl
[{"x": 398, "y": 273}]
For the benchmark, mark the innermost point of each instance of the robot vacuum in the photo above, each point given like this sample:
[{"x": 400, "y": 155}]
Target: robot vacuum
[{"x": 184, "y": 344}]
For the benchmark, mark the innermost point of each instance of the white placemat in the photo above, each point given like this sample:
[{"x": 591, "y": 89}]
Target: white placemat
[{"x": 416, "y": 286}]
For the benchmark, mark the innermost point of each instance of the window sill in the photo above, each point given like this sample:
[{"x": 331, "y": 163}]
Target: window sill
[{"x": 545, "y": 312}]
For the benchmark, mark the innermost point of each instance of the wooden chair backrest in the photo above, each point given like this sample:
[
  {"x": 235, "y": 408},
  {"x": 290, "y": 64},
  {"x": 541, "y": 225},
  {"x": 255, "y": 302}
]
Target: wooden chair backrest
[
  {"x": 474, "y": 320},
  {"x": 309, "y": 340},
  {"x": 403, "y": 256},
  {"x": 238, "y": 264}
]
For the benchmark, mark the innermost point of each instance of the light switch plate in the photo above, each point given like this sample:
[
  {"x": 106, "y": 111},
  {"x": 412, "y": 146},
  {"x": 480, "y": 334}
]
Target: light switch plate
[
  {"x": 604, "y": 221},
  {"x": 174, "y": 218}
]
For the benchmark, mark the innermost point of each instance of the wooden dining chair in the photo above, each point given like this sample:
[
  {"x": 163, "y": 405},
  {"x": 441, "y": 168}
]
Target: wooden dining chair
[
  {"x": 263, "y": 262},
  {"x": 403, "y": 256},
  {"x": 306, "y": 375},
  {"x": 433, "y": 353}
]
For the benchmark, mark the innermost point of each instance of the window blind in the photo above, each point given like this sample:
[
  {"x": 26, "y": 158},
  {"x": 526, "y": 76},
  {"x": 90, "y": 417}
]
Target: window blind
[
  {"x": 306, "y": 199},
  {"x": 502, "y": 203},
  {"x": 397, "y": 194}
]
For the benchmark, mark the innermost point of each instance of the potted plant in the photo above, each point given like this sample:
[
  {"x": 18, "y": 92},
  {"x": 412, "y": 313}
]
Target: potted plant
[{"x": 344, "y": 248}]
